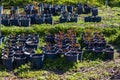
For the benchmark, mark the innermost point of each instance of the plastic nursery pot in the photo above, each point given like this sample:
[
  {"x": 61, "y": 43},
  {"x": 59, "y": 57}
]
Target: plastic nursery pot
[
  {"x": 14, "y": 22},
  {"x": 94, "y": 11},
  {"x": 40, "y": 20},
  {"x": 31, "y": 45},
  {"x": 96, "y": 19},
  {"x": 18, "y": 61},
  {"x": 25, "y": 22},
  {"x": 37, "y": 61},
  {"x": 74, "y": 19},
  {"x": 49, "y": 21},
  {"x": 29, "y": 52},
  {"x": 80, "y": 9},
  {"x": 71, "y": 57},
  {"x": 63, "y": 20},
  {"x": 98, "y": 51},
  {"x": 88, "y": 19},
  {"x": 5, "y": 22},
  {"x": 70, "y": 9},
  {"x": 19, "y": 54},
  {"x": 33, "y": 21},
  {"x": 87, "y": 9},
  {"x": 109, "y": 54},
  {"x": 50, "y": 55},
  {"x": 8, "y": 62}
]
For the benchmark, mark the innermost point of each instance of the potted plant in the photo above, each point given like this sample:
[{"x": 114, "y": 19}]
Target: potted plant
[
  {"x": 18, "y": 61},
  {"x": 109, "y": 53},
  {"x": 28, "y": 52},
  {"x": 74, "y": 18},
  {"x": 37, "y": 61},
  {"x": 50, "y": 52},
  {"x": 7, "y": 59},
  {"x": 14, "y": 21},
  {"x": 71, "y": 57},
  {"x": 25, "y": 21},
  {"x": 40, "y": 20},
  {"x": 7, "y": 62}
]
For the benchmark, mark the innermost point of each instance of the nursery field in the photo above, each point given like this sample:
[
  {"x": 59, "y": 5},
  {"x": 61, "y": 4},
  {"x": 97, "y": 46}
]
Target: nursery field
[{"x": 90, "y": 68}]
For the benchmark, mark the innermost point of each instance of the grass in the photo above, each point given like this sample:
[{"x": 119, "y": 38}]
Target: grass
[
  {"x": 83, "y": 71},
  {"x": 89, "y": 69}
]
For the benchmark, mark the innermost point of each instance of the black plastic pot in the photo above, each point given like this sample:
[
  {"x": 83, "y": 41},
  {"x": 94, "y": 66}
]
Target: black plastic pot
[
  {"x": 19, "y": 54},
  {"x": 80, "y": 9},
  {"x": 96, "y": 19},
  {"x": 37, "y": 61},
  {"x": 18, "y": 61},
  {"x": 71, "y": 57},
  {"x": 29, "y": 52},
  {"x": 40, "y": 20},
  {"x": 88, "y": 19},
  {"x": 98, "y": 51},
  {"x": 50, "y": 55},
  {"x": 8, "y": 62},
  {"x": 5, "y": 22},
  {"x": 48, "y": 20},
  {"x": 25, "y": 22},
  {"x": 74, "y": 19},
  {"x": 109, "y": 54},
  {"x": 94, "y": 11},
  {"x": 14, "y": 22},
  {"x": 31, "y": 45},
  {"x": 33, "y": 21},
  {"x": 87, "y": 10},
  {"x": 63, "y": 20},
  {"x": 70, "y": 9}
]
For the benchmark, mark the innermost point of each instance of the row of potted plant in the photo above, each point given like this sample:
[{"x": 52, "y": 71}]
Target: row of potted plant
[
  {"x": 95, "y": 42},
  {"x": 56, "y": 9},
  {"x": 18, "y": 50},
  {"x": 94, "y": 17},
  {"x": 22, "y": 20},
  {"x": 68, "y": 17},
  {"x": 63, "y": 44}
]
